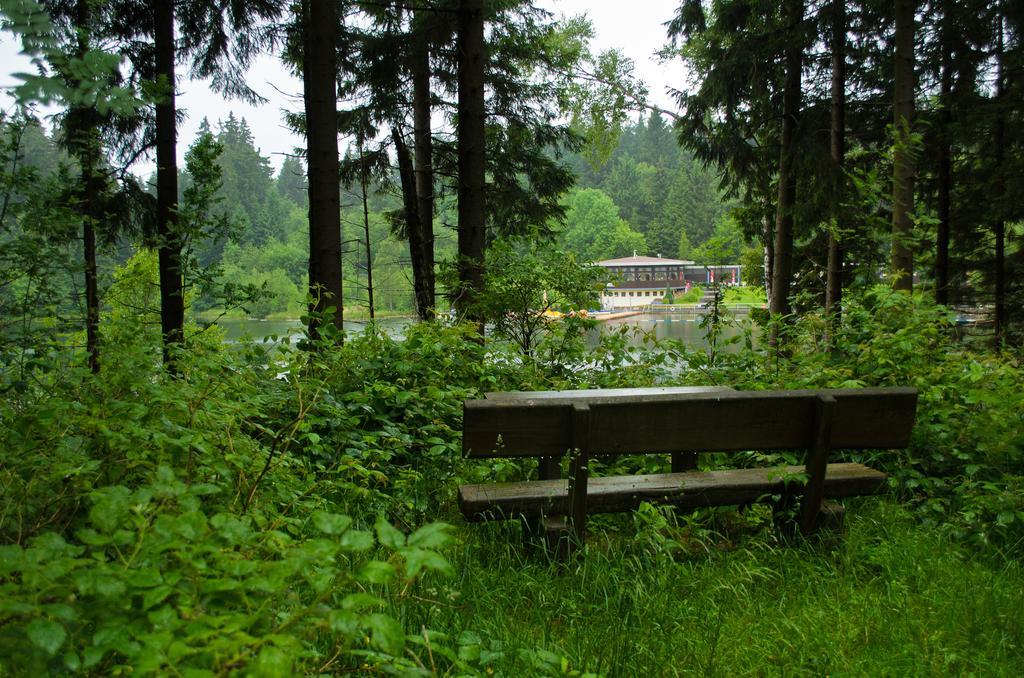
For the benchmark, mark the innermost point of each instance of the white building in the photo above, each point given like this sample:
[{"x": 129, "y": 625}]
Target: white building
[{"x": 641, "y": 281}]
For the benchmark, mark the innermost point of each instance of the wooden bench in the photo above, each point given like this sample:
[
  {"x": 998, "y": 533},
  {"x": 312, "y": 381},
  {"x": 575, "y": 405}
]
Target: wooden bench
[{"x": 681, "y": 422}]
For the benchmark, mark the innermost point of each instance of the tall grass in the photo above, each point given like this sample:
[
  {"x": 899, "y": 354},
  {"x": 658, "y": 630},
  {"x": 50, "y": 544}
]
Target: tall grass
[{"x": 887, "y": 598}]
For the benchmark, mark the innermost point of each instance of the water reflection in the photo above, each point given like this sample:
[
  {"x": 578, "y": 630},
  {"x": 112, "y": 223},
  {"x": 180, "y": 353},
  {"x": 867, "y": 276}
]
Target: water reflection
[
  {"x": 264, "y": 331},
  {"x": 684, "y": 327},
  {"x": 681, "y": 327}
]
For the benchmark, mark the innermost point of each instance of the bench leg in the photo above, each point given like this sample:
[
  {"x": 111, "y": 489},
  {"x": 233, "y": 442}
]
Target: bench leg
[
  {"x": 557, "y": 537},
  {"x": 535, "y": 530},
  {"x": 829, "y": 521},
  {"x": 831, "y": 518},
  {"x": 684, "y": 461}
]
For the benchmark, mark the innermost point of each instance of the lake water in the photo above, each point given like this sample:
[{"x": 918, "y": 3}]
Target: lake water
[
  {"x": 684, "y": 327},
  {"x": 681, "y": 327},
  {"x": 266, "y": 330}
]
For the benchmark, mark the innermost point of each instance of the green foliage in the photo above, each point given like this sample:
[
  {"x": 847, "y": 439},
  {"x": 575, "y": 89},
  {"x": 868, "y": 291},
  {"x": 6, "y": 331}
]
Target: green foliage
[
  {"x": 962, "y": 470},
  {"x": 37, "y": 228},
  {"x": 744, "y": 294},
  {"x": 721, "y": 595},
  {"x": 659, "y": 189},
  {"x": 156, "y": 578},
  {"x": 90, "y": 79},
  {"x": 171, "y": 524},
  {"x": 724, "y": 246},
  {"x": 594, "y": 229},
  {"x": 600, "y": 99},
  {"x": 523, "y": 283},
  {"x": 271, "y": 512},
  {"x": 714, "y": 320}
]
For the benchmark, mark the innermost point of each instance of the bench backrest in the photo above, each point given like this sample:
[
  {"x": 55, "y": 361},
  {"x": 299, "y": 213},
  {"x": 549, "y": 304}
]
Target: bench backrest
[{"x": 878, "y": 418}]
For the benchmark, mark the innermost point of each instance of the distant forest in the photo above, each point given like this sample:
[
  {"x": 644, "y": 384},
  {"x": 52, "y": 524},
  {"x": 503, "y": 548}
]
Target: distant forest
[{"x": 649, "y": 195}]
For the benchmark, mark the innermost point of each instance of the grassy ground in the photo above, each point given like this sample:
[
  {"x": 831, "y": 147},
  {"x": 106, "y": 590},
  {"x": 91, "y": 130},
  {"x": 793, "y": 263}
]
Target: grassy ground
[
  {"x": 890, "y": 598},
  {"x": 744, "y": 295}
]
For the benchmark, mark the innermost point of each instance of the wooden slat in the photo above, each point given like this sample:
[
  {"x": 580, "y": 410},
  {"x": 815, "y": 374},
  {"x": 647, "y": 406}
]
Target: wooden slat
[
  {"x": 604, "y": 393},
  {"x": 687, "y": 490},
  {"x": 719, "y": 421}
]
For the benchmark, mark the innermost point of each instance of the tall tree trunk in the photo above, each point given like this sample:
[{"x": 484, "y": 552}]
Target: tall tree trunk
[
  {"x": 413, "y": 228},
  {"x": 471, "y": 158},
  {"x": 319, "y": 76},
  {"x": 364, "y": 193},
  {"x": 83, "y": 139},
  {"x": 834, "y": 282},
  {"x": 1000, "y": 186},
  {"x": 903, "y": 161},
  {"x": 782, "y": 270},
  {"x": 945, "y": 165},
  {"x": 172, "y": 297},
  {"x": 424, "y": 173},
  {"x": 768, "y": 238}
]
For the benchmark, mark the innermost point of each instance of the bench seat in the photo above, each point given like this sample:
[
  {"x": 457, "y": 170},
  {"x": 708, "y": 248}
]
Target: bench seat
[
  {"x": 589, "y": 424},
  {"x": 691, "y": 489}
]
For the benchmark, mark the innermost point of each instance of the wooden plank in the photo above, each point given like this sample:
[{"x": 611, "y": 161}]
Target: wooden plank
[
  {"x": 579, "y": 472},
  {"x": 693, "y": 489},
  {"x": 720, "y": 421},
  {"x": 817, "y": 460},
  {"x": 603, "y": 393}
]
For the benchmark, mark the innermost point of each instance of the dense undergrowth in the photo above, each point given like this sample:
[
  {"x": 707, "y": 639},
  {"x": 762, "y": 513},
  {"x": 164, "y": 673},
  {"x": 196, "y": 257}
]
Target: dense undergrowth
[{"x": 276, "y": 511}]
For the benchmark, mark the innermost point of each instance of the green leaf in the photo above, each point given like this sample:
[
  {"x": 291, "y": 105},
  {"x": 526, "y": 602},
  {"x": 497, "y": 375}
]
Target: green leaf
[
  {"x": 360, "y": 601},
  {"x": 46, "y": 634},
  {"x": 431, "y": 536},
  {"x": 344, "y": 622},
  {"x": 417, "y": 560},
  {"x": 109, "y": 508},
  {"x": 155, "y": 596},
  {"x": 272, "y": 662},
  {"x": 10, "y": 559},
  {"x": 357, "y": 540},
  {"x": 377, "y": 572},
  {"x": 386, "y": 633},
  {"x": 389, "y": 535},
  {"x": 72, "y": 661},
  {"x": 469, "y": 638},
  {"x": 331, "y": 523}
]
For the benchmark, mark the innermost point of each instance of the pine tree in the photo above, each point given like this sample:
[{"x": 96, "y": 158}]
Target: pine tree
[
  {"x": 903, "y": 156},
  {"x": 291, "y": 181},
  {"x": 319, "y": 70},
  {"x": 472, "y": 162}
]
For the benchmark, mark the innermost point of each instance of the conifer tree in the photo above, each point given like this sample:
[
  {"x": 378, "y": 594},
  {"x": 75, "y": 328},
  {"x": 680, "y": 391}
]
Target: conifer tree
[
  {"x": 319, "y": 71},
  {"x": 902, "y": 269},
  {"x": 472, "y": 163}
]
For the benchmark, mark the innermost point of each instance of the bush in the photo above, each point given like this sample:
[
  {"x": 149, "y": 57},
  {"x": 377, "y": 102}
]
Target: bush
[{"x": 155, "y": 523}]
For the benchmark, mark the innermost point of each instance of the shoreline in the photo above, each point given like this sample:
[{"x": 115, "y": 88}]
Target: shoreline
[{"x": 615, "y": 315}]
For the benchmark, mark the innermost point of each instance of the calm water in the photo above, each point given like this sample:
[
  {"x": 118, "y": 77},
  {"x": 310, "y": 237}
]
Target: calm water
[
  {"x": 682, "y": 327},
  {"x": 264, "y": 330}
]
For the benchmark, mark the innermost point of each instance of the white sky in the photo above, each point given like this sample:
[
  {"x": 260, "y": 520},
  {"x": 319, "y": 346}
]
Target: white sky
[{"x": 636, "y": 28}]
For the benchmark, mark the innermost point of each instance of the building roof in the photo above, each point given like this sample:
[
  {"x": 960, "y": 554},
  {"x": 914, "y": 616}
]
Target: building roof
[
  {"x": 647, "y": 285},
  {"x": 643, "y": 261}
]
